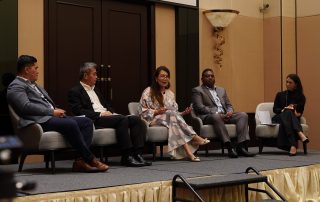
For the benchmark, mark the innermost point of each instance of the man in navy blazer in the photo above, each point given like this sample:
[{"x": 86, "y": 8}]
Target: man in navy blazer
[
  {"x": 85, "y": 99},
  {"x": 33, "y": 104},
  {"x": 212, "y": 105}
]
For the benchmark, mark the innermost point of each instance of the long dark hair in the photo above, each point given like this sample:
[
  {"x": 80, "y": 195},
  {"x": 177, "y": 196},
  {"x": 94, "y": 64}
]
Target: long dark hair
[
  {"x": 155, "y": 87},
  {"x": 299, "y": 89}
]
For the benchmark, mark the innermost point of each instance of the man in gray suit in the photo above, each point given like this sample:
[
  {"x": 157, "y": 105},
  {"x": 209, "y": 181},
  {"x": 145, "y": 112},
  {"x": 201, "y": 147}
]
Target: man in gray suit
[
  {"x": 212, "y": 105},
  {"x": 33, "y": 104}
]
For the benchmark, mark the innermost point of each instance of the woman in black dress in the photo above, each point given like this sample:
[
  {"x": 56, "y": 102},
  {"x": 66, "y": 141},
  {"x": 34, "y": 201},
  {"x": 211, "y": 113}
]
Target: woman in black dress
[{"x": 289, "y": 107}]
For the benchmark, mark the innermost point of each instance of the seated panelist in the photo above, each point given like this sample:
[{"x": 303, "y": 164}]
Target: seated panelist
[
  {"x": 159, "y": 107},
  {"x": 212, "y": 105},
  {"x": 33, "y": 104},
  {"x": 85, "y": 99},
  {"x": 288, "y": 107}
]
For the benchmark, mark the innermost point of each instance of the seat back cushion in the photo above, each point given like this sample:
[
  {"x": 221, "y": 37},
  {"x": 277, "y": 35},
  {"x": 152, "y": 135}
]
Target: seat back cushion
[{"x": 133, "y": 108}]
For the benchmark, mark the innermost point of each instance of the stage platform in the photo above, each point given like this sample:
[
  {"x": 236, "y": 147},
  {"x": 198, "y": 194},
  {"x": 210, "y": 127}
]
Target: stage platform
[{"x": 155, "y": 180}]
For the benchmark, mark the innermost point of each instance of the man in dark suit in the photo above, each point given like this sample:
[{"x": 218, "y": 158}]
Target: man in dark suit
[
  {"x": 212, "y": 105},
  {"x": 85, "y": 99},
  {"x": 33, "y": 104}
]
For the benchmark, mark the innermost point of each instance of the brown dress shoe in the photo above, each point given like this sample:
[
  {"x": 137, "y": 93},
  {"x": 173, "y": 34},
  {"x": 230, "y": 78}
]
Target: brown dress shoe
[
  {"x": 80, "y": 165},
  {"x": 99, "y": 165}
]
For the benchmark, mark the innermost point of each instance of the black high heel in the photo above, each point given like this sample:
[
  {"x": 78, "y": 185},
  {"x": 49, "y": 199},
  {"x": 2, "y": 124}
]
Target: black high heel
[{"x": 304, "y": 143}]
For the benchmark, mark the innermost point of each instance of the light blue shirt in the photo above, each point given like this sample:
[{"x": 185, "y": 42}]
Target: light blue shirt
[{"x": 216, "y": 100}]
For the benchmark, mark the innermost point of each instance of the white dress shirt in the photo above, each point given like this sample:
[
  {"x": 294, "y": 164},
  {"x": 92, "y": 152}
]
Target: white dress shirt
[{"x": 96, "y": 104}]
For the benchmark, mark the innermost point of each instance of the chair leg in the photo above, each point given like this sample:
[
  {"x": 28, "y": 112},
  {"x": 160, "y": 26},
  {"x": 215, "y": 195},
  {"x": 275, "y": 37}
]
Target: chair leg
[
  {"x": 105, "y": 155},
  {"x": 46, "y": 160},
  {"x": 22, "y": 159},
  {"x": 222, "y": 148},
  {"x": 101, "y": 153},
  {"x": 161, "y": 152},
  {"x": 154, "y": 150},
  {"x": 53, "y": 166},
  {"x": 260, "y": 146},
  {"x": 207, "y": 150}
]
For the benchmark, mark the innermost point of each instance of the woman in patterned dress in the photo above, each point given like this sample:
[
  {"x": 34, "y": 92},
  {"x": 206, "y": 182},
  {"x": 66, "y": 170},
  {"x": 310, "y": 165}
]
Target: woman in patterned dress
[{"x": 158, "y": 107}]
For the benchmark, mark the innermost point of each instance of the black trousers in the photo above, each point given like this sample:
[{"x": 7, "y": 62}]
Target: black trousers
[
  {"x": 288, "y": 129},
  {"x": 130, "y": 131},
  {"x": 77, "y": 130}
]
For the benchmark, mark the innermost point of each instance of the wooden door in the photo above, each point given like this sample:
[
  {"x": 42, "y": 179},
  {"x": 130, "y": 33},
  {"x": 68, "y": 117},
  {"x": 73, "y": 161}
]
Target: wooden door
[
  {"x": 73, "y": 37},
  {"x": 125, "y": 51},
  {"x": 109, "y": 33}
]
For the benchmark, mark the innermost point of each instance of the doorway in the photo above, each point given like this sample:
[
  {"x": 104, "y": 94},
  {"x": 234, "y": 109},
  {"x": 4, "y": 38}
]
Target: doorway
[{"x": 113, "y": 34}]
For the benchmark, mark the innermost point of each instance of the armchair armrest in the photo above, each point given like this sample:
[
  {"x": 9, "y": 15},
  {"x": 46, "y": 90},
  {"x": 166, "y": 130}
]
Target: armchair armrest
[
  {"x": 30, "y": 136},
  {"x": 196, "y": 123}
]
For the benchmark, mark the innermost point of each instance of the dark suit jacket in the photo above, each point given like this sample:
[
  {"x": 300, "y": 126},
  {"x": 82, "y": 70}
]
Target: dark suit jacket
[
  {"x": 204, "y": 104},
  {"x": 28, "y": 103},
  {"x": 80, "y": 103}
]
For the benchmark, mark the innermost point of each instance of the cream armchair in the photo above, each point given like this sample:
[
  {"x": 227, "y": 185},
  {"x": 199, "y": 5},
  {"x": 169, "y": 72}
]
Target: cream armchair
[
  {"x": 35, "y": 141},
  {"x": 207, "y": 131},
  {"x": 267, "y": 135},
  {"x": 156, "y": 135}
]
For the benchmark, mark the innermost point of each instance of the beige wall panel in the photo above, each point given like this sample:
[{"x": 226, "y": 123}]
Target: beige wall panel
[
  {"x": 31, "y": 40},
  {"x": 272, "y": 57},
  {"x": 206, "y": 51},
  {"x": 215, "y": 4},
  {"x": 165, "y": 39},
  {"x": 246, "y": 50},
  {"x": 288, "y": 8},
  {"x": 248, "y": 8},
  {"x": 242, "y": 70},
  {"x": 309, "y": 71},
  {"x": 273, "y": 10},
  {"x": 206, "y": 43},
  {"x": 288, "y": 48},
  {"x": 308, "y": 7},
  {"x": 31, "y": 31}
]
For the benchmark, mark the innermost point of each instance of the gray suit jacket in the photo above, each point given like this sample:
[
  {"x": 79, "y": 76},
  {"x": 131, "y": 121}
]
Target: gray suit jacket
[
  {"x": 204, "y": 104},
  {"x": 28, "y": 103}
]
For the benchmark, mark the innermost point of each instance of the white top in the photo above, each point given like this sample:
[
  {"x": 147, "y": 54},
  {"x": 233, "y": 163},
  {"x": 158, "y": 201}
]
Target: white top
[{"x": 96, "y": 104}]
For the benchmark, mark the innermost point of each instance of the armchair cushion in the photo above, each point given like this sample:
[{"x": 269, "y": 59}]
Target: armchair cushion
[
  {"x": 52, "y": 140},
  {"x": 157, "y": 134},
  {"x": 104, "y": 137}
]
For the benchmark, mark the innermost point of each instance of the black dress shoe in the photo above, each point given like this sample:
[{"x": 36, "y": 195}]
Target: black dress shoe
[
  {"x": 242, "y": 152},
  {"x": 140, "y": 159},
  {"x": 131, "y": 162},
  {"x": 232, "y": 153}
]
